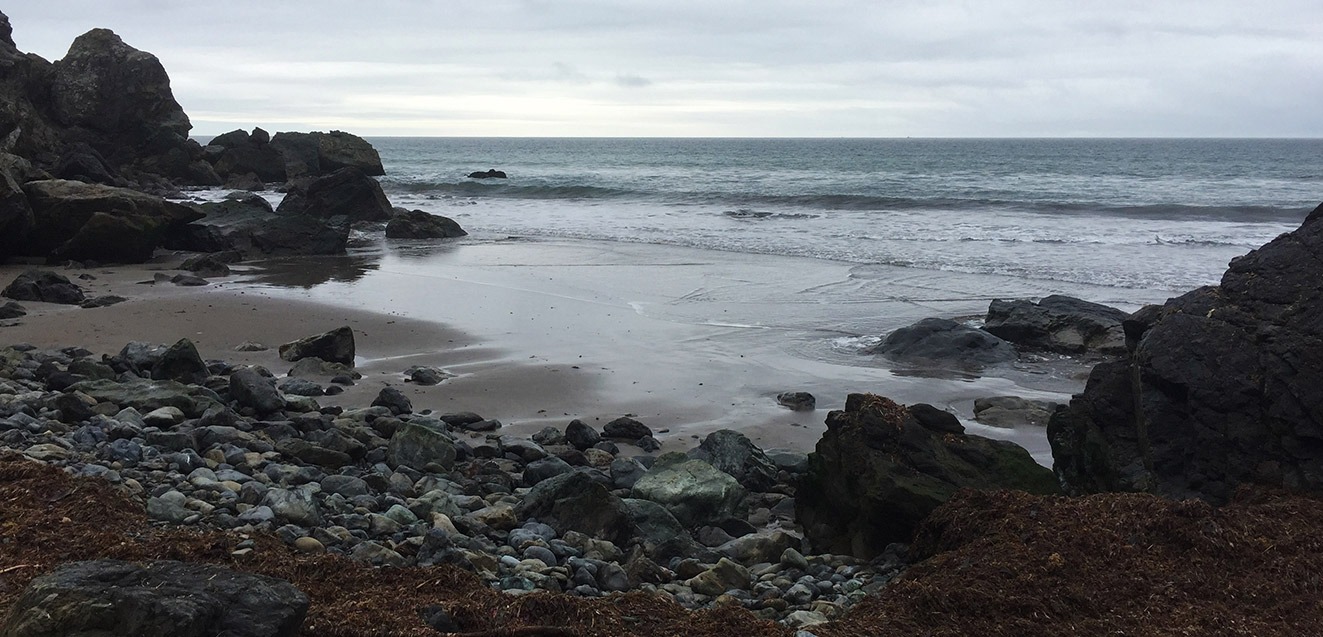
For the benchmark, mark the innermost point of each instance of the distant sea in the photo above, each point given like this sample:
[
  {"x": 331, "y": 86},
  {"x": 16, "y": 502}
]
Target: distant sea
[{"x": 1156, "y": 214}]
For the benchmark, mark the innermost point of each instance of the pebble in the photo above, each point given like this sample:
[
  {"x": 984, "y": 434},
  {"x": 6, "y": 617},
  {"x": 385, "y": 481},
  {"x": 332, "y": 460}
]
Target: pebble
[{"x": 229, "y": 468}]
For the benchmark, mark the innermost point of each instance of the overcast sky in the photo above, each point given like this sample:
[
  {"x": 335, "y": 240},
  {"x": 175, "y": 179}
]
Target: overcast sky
[{"x": 830, "y": 68}]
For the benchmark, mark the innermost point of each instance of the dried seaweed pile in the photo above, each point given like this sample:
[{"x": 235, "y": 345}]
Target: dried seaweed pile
[
  {"x": 1001, "y": 563},
  {"x": 48, "y": 517},
  {"x": 1008, "y": 563}
]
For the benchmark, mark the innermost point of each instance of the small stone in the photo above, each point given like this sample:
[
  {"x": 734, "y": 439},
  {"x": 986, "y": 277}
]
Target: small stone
[
  {"x": 797, "y": 400},
  {"x": 250, "y": 346}
]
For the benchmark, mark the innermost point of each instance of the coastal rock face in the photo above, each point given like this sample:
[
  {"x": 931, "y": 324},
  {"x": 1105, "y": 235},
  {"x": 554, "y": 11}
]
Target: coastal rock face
[
  {"x": 347, "y": 192},
  {"x": 104, "y": 96},
  {"x": 1221, "y": 386},
  {"x": 111, "y": 598},
  {"x": 876, "y": 473},
  {"x": 1061, "y": 324},
  {"x": 104, "y": 86},
  {"x": 15, "y": 213},
  {"x": 81, "y": 221},
  {"x": 945, "y": 341},
  {"x": 416, "y": 224}
]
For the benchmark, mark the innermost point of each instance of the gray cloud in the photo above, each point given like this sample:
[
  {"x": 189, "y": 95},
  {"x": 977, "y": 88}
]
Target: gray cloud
[{"x": 775, "y": 67}]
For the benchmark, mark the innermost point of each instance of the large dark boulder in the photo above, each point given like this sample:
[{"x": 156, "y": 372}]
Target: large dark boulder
[
  {"x": 1221, "y": 386},
  {"x": 46, "y": 286},
  {"x": 111, "y": 598},
  {"x": 1061, "y": 324},
  {"x": 338, "y": 149},
  {"x": 876, "y": 473},
  {"x": 77, "y": 220},
  {"x": 299, "y": 151},
  {"x": 575, "y": 502},
  {"x": 943, "y": 341},
  {"x": 416, "y": 224},
  {"x": 347, "y": 192}
]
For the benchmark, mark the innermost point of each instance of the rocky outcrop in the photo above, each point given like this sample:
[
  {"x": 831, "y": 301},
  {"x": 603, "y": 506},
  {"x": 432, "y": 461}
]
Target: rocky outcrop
[
  {"x": 111, "y": 598},
  {"x": 416, "y": 224},
  {"x": 81, "y": 221},
  {"x": 938, "y": 340},
  {"x": 240, "y": 153},
  {"x": 1221, "y": 386},
  {"x": 877, "y": 472},
  {"x": 246, "y": 222},
  {"x": 108, "y": 96},
  {"x": 347, "y": 193},
  {"x": 488, "y": 174},
  {"x": 1061, "y": 324}
]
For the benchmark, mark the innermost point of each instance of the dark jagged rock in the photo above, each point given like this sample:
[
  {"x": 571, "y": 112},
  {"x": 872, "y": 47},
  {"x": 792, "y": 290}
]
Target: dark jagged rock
[
  {"x": 1221, "y": 386},
  {"x": 45, "y": 286},
  {"x": 394, "y": 400},
  {"x": 733, "y": 453},
  {"x": 300, "y": 153},
  {"x": 181, "y": 362},
  {"x": 253, "y": 390},
  {"x": 338, "y": 149},
  {"x": 416, "y": 224},
  {"x": 876, "y": 473},
  {"x": 488, "y": 174},
  {"x": 76, "y": 220},
  {"x": 1061, "y": 324},
  {"x": 111, "y": 598},
  {"x": 246, "y": 222},
  {"x": 581, "y": 436},
  {"x": 945, "y": 341},
  {"x": 348, "y": 192},
  {"x": 335, "y": 346}
]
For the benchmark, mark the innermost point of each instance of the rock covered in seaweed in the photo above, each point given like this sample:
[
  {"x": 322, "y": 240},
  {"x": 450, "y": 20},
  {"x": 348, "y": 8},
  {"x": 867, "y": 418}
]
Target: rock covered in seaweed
[{"x": 877, "y": 472}]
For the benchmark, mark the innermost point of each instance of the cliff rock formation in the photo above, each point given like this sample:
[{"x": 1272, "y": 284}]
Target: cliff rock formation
[{"x": 1221, "y": 386}]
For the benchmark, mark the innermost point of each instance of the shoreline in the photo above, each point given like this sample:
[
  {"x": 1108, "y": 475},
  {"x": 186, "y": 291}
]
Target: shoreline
[{"x": 542, "y": 331}]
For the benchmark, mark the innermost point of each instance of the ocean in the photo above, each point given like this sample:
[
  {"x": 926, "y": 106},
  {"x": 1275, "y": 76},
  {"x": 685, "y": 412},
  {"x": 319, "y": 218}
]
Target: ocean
[
  {"x": 1164, "y": 214},
  {"x": 689, "y": 281}
]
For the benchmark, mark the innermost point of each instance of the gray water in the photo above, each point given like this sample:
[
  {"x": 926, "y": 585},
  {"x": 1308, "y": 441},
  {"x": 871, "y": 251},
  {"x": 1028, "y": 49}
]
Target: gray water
[{"x": 1139, "y": 214}]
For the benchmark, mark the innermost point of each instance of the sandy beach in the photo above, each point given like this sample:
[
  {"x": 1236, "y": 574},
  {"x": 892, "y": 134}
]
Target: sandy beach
[{"x": 538, "y": 332}]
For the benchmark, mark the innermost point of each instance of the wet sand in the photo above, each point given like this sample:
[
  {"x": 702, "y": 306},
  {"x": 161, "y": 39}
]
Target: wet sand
[{"x": 542, "y": 331}]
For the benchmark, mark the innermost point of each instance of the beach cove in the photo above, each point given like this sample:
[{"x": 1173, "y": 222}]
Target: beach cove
[{"x": 539, "y": 331}]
